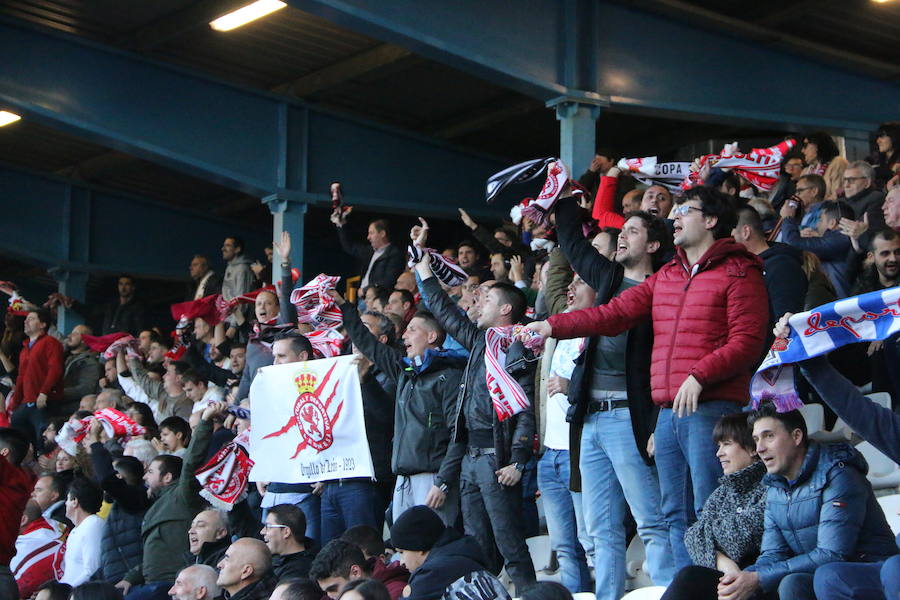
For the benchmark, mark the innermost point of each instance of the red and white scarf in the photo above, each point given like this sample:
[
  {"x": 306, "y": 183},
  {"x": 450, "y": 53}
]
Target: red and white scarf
[
  {"x": 314, "y": 305},
  {"x": 326, "y": 343},
  {"x": 760, "y": 166},
  {"x": 115, "y": 423},
  {"x": 108, "y": 345},
  {"x": 538, "y": 211},
  {"x": 223, "y": 479},
  {"x": 649, "y": 171},
  {"x": 444, "y": 268},
  {"x": 507, "y": 395}
]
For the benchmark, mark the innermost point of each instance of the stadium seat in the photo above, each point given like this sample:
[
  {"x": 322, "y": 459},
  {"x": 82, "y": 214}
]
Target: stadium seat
[
  {"x": 883, "y": 472},
  {"x": 654, "y": 592},
  {"x": 891, "y": 506},
  {"x": 814, "y": 415}
]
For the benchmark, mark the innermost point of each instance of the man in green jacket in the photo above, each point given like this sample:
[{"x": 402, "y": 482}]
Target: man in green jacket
[{"x": 176, "y": 501}]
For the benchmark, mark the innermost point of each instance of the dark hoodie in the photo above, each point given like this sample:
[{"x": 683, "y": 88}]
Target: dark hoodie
[
  {"x": 293, "y": 566},
  {"x": 453, "y": 556},
  {"x": 785, "y": 282}
]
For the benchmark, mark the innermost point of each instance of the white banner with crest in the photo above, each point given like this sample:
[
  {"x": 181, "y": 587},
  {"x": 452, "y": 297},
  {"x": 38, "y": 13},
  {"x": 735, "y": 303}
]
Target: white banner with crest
[{"x": 307, "y": 423}]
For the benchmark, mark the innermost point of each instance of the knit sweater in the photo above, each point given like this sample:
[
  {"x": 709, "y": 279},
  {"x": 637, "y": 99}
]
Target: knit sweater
[{"x": 732, "y": 519}]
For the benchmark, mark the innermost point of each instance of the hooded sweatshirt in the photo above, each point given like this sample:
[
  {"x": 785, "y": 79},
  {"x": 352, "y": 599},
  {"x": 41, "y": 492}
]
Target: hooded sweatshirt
[{"x": 453, "y": 556}]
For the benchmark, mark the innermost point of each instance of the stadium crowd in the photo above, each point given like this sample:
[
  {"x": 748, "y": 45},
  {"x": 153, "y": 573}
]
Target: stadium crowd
[{"x": 655, "y": 304}]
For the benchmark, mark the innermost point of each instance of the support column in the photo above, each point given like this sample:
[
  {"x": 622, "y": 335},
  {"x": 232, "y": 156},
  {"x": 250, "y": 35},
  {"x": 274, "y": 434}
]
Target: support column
[
  {"x": 74, "y": 285},
  {"x": 290, "y": 216},
  {"x": 577, "y": 130}
]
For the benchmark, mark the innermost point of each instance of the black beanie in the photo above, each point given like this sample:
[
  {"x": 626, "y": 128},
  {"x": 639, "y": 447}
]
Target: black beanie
[{"x": 418, "y": 528}]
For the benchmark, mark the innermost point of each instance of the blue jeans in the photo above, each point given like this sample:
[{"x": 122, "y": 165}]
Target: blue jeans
[
  {"x": 349, "y": 503},
  {"x": 157, "y": 590},
  {"x": 615, "y": 477},
  {"x": 858, "y": 581},
  {"x": 796, "y": 586},
  {"x": 559, "y": 508},
  {"x": 688, "y": 468}
]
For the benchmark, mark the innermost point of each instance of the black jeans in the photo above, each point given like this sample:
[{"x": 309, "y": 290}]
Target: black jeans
[
  {"x": 701, "y": 583},
  {"x": 492, "y": 514},
  {"x": 693, "y": 583}
]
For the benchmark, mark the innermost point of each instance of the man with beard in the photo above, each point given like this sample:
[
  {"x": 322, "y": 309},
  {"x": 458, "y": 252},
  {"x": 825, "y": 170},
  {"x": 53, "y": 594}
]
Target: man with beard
[
  {"x": 81, "y": 371},
  {"x": 884, "y": 258}
]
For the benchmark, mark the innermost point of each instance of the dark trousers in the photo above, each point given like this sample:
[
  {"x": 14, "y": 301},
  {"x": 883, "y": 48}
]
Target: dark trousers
[
  {"x": 31, "y": 420},
  {"x": 701, "y": 583},
  {"x": 492, "y": 514}
]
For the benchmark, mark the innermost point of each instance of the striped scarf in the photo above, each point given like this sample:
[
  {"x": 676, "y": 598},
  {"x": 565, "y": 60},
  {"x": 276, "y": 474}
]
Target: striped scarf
[
  {"x": 761, "y": 166},
  {"x": 223, "y": 479},
  {"x": 863, "y": 318},
  {"x": 445, "y": 269},
  {"x": 649, "y": 171},
  {"x": 507, "y": 395},
  {"x": 314, "y": 305}
]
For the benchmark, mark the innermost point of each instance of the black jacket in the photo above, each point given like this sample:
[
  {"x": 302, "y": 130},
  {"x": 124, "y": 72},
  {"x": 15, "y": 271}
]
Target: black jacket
[
  {"x": 785, "y": 282},
  {"x": 292, "y": 566},
  {"x": 453, "y": 556},
  {"x": 212, "y": 286},
  {"x": 385, "y": 270},
  {"x": 122, "y": 547},
  {"x": 605, "y": 277},
  {"x": 424, "y": 403},
  {"x": 210, "y": 553},
  {"x": 513, "y": 437},
  {"x": 259, "y": 590},
  {"x": 128, "y": 317}
]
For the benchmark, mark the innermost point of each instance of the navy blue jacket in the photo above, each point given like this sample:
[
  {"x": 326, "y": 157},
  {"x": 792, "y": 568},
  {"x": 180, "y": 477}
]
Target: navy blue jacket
[{"x": 829, "y": 514}]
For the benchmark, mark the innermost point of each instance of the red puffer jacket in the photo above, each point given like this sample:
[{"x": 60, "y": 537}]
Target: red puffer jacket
[{"x": 711, "y": 325}]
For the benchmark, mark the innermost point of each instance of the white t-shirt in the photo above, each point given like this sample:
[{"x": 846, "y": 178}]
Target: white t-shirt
[
  {"x": 82, "y": 557},
  {"x": 556, "y": 434}
]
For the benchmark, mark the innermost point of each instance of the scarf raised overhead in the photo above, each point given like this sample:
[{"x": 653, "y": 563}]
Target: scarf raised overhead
[
  {"x": 863, "y": 318},
  {"x": 649, "y": 171}
]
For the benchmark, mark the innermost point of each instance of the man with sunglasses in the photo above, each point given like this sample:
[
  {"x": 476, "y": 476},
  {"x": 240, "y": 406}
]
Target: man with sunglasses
[{"x": 709, "y": 310}]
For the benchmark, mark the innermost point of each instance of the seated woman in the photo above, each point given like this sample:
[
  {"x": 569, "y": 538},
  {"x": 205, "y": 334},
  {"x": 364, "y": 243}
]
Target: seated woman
[{"x": 728, "y": 534}]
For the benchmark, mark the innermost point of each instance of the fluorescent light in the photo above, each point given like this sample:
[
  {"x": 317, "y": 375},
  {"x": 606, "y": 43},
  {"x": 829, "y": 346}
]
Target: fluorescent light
[
  {"x": 7, "y": 117},
  {"x": 244, "y": 15}
]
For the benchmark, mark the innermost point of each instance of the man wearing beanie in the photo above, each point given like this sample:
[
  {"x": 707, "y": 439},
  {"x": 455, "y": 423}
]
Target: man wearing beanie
[{"x": 435, "y": 555}]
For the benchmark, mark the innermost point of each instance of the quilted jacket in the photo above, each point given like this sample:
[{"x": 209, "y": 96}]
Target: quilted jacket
[
  {"x": 709, "y": 321},
  {"x": 828, "y": 514}
]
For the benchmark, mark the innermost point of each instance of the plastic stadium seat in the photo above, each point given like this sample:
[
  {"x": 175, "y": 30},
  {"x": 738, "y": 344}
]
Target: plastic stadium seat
[
  {"x": 883, "y": 472},
  {"x": 814, "y": 415},
  {"x": 891, "y": 506},
  {"x": 654, "y": 592},
  {"x": 584, "y": 596},
  {"x": 541, "y": 552},
  {"x": 840, "y": 433},
  {"x": 882, "y": 398}
]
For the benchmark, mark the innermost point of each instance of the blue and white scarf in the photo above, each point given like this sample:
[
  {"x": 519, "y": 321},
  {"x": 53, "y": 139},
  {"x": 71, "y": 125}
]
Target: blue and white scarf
[{"x": 864, "y": 318}]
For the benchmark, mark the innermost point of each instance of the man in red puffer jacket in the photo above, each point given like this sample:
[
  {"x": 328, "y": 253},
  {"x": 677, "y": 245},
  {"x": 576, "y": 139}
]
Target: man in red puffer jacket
[{"x": 709, "y": 310}]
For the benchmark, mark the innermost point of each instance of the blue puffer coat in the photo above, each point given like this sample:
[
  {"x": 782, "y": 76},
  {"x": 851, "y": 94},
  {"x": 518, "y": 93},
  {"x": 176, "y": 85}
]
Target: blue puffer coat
[{"x": 828, "y": 514}]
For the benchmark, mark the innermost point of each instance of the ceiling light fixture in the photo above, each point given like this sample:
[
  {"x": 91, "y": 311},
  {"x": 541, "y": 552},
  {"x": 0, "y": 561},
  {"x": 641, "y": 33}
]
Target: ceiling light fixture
[
  {"x": 7, "y": 117},
  {"x": 246, "y": 14}
]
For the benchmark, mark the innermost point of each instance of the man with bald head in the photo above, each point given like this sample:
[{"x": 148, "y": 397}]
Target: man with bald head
[
  {"x": 81, "y": 371},
  {"x": 208, "y": 538},
  {"x": 245, "y": 572},
  {"x": 196, "y": 582}
]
